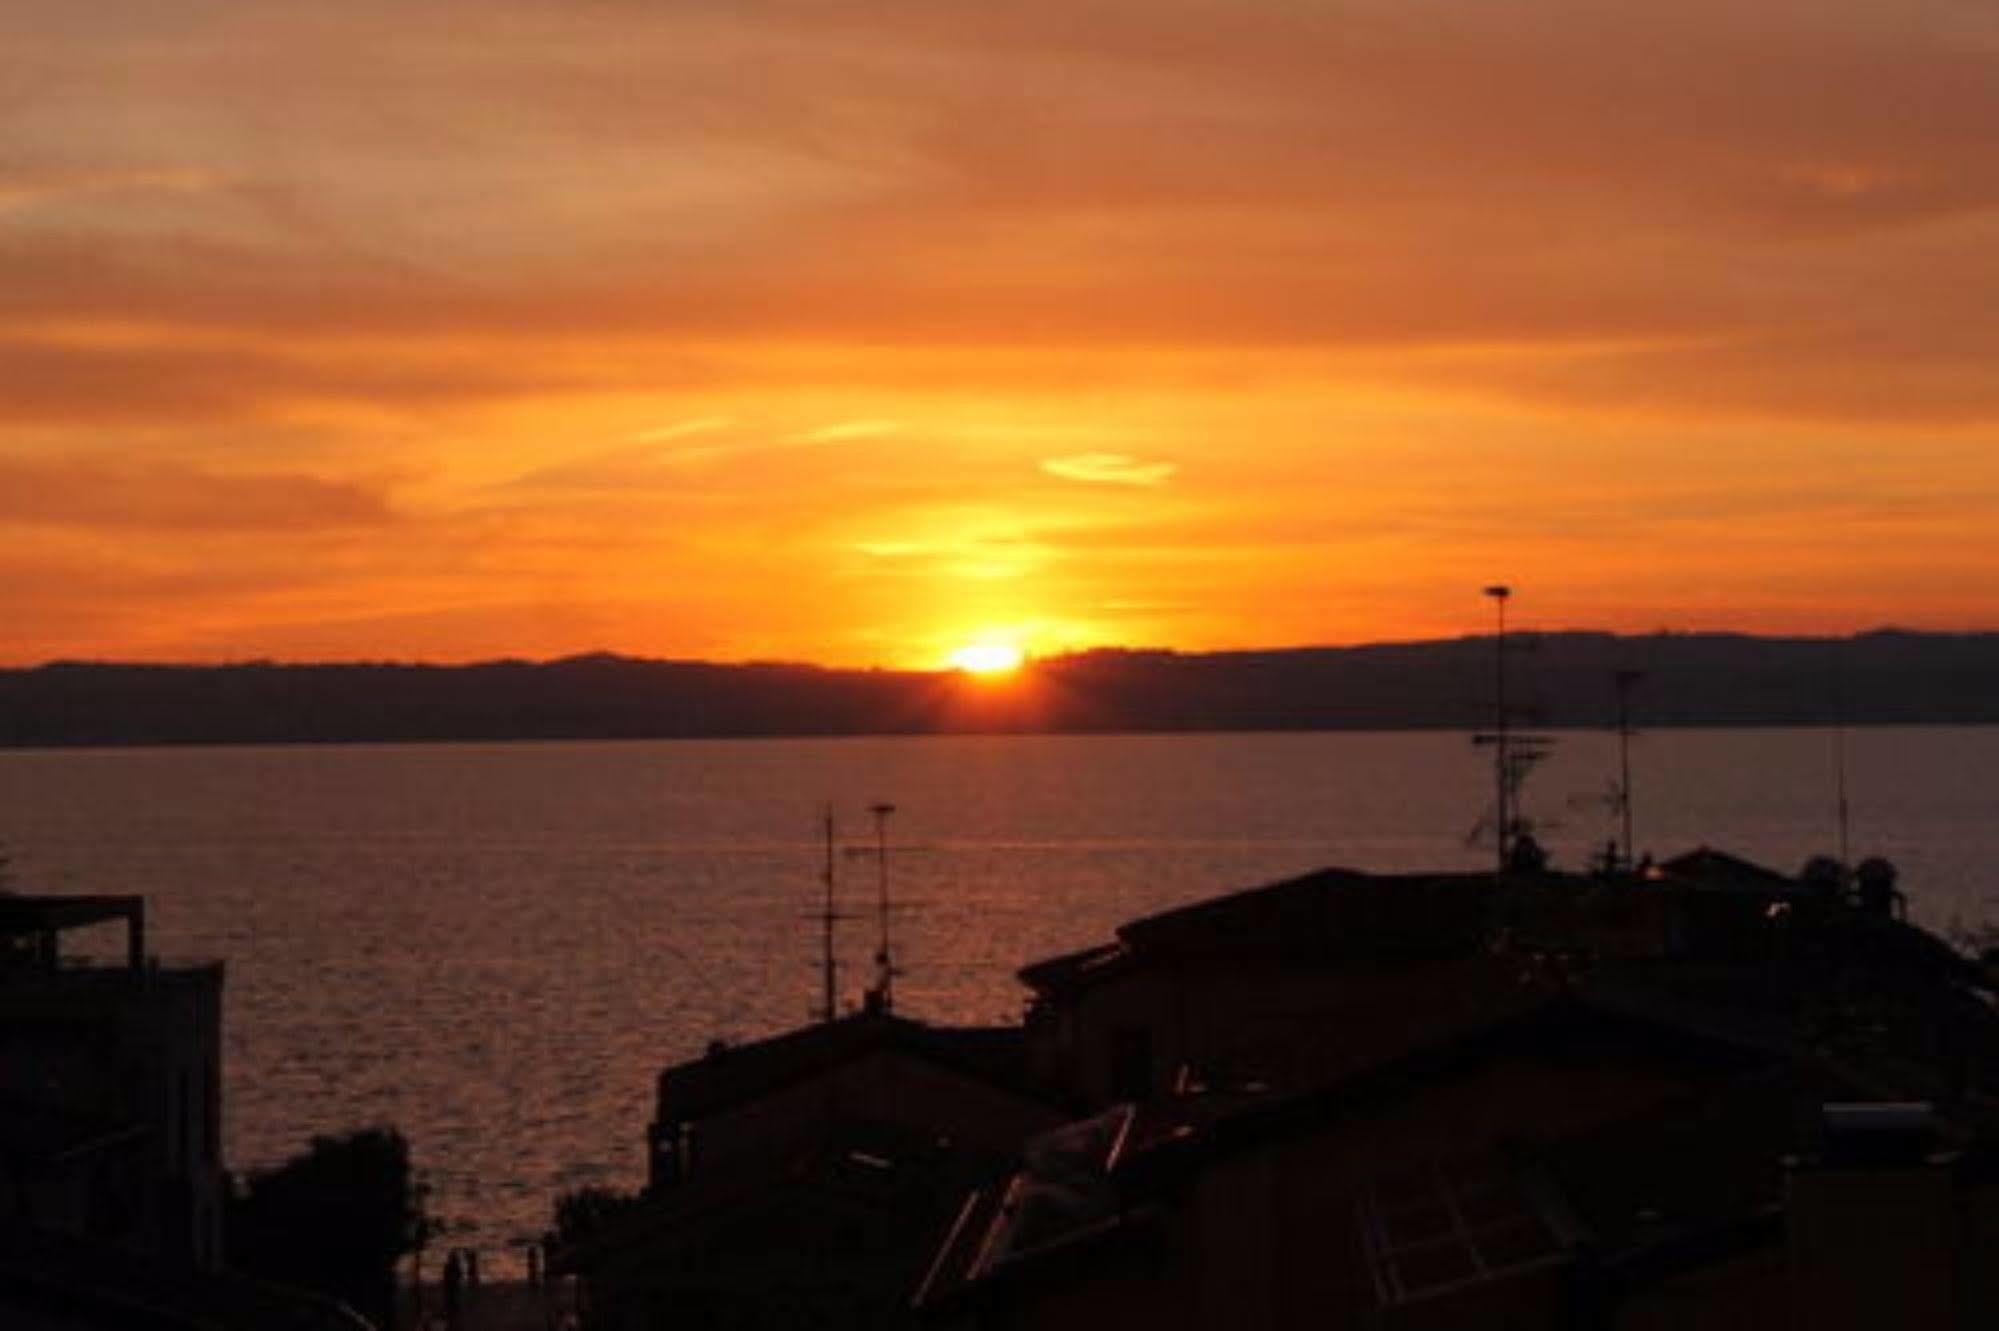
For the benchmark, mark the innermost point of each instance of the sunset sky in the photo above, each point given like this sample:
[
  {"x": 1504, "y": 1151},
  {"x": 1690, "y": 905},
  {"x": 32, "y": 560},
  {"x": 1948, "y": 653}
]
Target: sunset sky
[{"x": 856, "y": 332}]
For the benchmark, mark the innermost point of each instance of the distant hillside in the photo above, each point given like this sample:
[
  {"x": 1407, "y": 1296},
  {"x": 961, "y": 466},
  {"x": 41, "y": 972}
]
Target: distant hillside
[{"x": 1560, "y": 679}]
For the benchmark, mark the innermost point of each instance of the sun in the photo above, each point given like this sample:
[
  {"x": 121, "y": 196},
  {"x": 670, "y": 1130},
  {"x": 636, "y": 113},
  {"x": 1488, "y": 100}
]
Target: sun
[{"x": 988, "y": 658}]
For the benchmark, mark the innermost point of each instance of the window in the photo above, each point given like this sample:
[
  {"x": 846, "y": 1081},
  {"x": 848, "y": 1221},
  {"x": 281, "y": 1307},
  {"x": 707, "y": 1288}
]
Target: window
[{"x": 1443, "y": 1226}]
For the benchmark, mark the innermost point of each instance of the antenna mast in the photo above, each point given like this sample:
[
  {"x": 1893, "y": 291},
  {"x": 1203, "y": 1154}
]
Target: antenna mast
[
  {"x": 884, "y": 958},
  {"x": 1502, "y": 756},
  {"x": 829, "y": 965},
  {"x": 1625, "y": 679},
  {"x": 1839, "y": 759}
]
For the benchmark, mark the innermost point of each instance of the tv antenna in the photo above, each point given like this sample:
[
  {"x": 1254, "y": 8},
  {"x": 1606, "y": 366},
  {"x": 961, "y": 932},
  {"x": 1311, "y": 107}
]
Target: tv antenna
[
  {"x": 1502, "y": 751},
  {"x": 1842, "y": 809},
  {"x": 828, "y": 915},
  {"x": 884, "y": 957},
  {"x": 1514, "y": 755},
  {"x": 1625, "y": 680}
]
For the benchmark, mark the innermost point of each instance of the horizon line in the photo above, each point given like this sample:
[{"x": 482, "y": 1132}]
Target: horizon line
[{"x": 1031, "y": 659}]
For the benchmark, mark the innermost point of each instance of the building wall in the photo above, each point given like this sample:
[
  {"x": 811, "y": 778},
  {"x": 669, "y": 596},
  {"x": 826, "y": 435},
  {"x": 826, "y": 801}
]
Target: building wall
[
  {"x": 185, "y": 1017},
  {"x": 122, "y": 1048}
]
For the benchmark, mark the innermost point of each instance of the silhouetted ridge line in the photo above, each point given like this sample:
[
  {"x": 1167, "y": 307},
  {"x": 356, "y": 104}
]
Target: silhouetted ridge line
[{"x": 1888, "y": 676}]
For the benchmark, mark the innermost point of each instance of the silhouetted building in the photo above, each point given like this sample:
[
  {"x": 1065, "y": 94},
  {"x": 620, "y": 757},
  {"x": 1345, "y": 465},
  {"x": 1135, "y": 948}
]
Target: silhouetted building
[
  {"x": 1676, "y": 1099},
  {"x": 110, "y": 1085},
  {"x": 1425, "y": 1189},
  {"x": 1672, "y": 1098},
  {"x": 738, "y": 1103},
  {"x": 111, "y": 1173},
  {"x": 805, "y": 1180},
  {"x": 1277, "y": 984}
]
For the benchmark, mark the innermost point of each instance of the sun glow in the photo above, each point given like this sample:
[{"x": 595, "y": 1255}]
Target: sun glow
[{"x": 988, "y": 658}]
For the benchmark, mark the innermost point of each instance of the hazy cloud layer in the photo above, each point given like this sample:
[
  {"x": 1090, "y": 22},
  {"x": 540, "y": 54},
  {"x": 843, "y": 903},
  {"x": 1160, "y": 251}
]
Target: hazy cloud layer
[
  {"x": 624, "y": 304},
  {"x": 75, "y": 493}
]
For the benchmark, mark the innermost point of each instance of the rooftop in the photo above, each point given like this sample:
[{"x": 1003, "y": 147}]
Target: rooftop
[
  {"x": 731, "y": 1075},
  {"x": 1324, "y": 917},
  {"x": 1088, "y": 1183},
  {"x": 1707, "y": 867},
  {"x": 34, "y": 923}
]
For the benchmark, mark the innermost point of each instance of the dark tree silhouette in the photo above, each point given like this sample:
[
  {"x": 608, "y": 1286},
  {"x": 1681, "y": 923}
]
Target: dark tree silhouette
[
  {"x": 585, "y": 1211},
  {"x": 334, "y": 1220}
]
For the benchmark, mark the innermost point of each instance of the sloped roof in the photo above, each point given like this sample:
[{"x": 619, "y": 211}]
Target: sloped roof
[
  {"x": 1331, "y": 912},
  {"x": 1705, "y": 866},
  {"x": 1162, "y": 1140},
  {"x": 731, "y": 1075},
  {"x": 1563, "y": 1020},
  {"x": 1321, "y": 917},
  {"x": 1071, "y": 969}
]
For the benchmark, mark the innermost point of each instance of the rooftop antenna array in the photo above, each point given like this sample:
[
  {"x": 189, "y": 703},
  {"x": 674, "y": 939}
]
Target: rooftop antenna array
[{"x": 1514, "y": 756}]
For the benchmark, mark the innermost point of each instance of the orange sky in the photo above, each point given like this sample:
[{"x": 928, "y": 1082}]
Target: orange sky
[{"x": 856, "y": 331}]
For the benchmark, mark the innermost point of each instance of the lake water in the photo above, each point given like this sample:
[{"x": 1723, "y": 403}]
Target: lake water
[{"x": 496, "y": 947}]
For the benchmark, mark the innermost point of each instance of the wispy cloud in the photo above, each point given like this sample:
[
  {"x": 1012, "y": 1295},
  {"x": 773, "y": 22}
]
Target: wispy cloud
[
  {"x": 1174, "y": 287},
  {"x": 26, "y": 189},
  {"x": 665, "y": 456},
  {"x": 682, "y": 429},
  {"x": 841, "y": 431},
  {"x": 1110, "y": 469}
]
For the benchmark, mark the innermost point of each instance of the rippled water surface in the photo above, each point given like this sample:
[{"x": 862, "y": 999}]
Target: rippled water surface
[{"x": 495, "y": 947}]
